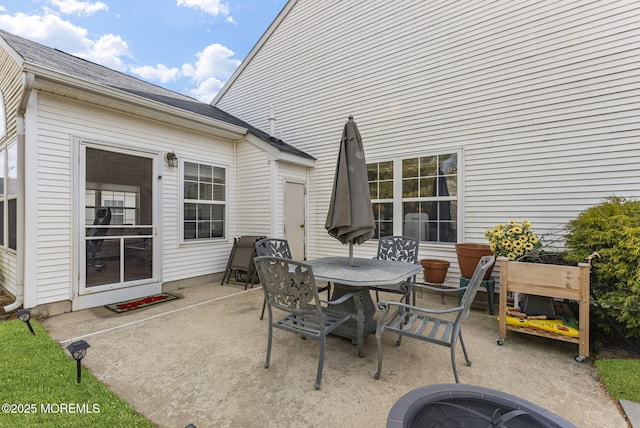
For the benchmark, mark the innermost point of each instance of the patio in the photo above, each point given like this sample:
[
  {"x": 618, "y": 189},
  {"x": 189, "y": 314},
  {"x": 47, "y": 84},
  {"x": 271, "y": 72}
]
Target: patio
[{"x": 200, "y": 360}]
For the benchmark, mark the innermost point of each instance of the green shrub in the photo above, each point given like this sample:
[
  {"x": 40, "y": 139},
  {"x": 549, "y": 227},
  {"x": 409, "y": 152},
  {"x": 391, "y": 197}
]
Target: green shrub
[{"x": 612, "y": 229}]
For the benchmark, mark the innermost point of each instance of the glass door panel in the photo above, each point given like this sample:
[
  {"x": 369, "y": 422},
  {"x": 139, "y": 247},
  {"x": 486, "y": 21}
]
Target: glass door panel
[{"x": 119, "y": 231}]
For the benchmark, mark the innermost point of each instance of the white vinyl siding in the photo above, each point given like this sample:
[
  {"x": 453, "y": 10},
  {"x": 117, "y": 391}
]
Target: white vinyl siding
[
  {"x": 10, "y": 85},
  {"x": 255, "y": 191},
  {"x": 541, "y": 97},
  {"x": 50, "y": 166}
]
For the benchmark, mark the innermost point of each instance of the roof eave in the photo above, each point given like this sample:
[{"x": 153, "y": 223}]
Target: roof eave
[
  {"x": 62, "y": 84},
  {"x": 279, "y": 155}
]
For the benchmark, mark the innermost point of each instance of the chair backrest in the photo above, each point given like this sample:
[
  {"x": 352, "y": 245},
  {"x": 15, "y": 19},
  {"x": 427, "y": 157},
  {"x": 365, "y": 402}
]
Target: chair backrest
[
  {"x": 273, "y": 247},
  {"x": 398, "y": 248},
  {"x": 472, "y": 288},
  {"x": 288, "y": 285}
]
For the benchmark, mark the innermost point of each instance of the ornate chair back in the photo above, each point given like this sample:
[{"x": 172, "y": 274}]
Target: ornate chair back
[{"x": 398, "y": 248}]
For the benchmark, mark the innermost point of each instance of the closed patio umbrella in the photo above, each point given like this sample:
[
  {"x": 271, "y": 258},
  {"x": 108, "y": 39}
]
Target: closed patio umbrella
[{"x": 350, "y": 217}]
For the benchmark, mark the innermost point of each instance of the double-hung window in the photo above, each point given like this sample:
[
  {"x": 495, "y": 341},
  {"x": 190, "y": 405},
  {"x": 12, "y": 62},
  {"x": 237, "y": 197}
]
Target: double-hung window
[
  {"x": 416, "y": 197},
  {"x": 204, "y": 201}
]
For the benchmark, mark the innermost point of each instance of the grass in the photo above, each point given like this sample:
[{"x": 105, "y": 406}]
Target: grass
[
  {"x": 621, "y": 377},
  {"x": 39, "y": 384}
]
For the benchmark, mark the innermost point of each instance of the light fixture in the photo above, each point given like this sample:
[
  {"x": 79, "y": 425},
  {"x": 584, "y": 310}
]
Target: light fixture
[
  {"x": 25, "y": 315},
  {"x": 172, "y": 159},
  {"x": 78, "y": 350}
]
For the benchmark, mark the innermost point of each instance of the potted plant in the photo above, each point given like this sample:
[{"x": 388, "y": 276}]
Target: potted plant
[
  {"x": 435, "y": 271},
  {"x": 469, "y": 254},
  {"x": 512, "y": 240}
]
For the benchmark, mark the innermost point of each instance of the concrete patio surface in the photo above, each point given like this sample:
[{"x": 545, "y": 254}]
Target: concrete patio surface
[{"x": 200, "y": 360}]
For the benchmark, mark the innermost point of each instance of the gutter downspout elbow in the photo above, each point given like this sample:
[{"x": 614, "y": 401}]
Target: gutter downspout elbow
[{"x": 28, "y": 81}]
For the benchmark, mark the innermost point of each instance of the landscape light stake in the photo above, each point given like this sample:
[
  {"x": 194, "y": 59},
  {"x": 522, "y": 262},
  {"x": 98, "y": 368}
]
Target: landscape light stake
[
  {"x": 78, "y": 350},
  {"x": 25, "y": 315}
]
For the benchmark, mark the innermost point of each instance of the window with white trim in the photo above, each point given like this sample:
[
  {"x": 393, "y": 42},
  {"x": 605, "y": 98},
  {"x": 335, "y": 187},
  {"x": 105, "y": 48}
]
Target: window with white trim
[
  {"x": 416, "y": 197},
  {"x": 12, "y": 196},
  {"x": 204, "y": 201}
]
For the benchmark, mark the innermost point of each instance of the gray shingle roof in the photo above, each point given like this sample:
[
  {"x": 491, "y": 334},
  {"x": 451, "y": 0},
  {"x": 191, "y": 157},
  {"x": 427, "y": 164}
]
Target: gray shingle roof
[{"x": 62, "y": 62}]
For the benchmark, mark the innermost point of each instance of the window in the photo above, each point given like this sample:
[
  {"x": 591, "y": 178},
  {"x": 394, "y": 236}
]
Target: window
[
  {"x": 2, "y": 196},
  {"x": 416, "y": 197},
  {"x": 123, "y": 202},
  {"x": 12, "y": 195},
  {"x": 381, "y": 188},
  {"x": 3, "y": 117},
  {"x": 204, "y": 196}
]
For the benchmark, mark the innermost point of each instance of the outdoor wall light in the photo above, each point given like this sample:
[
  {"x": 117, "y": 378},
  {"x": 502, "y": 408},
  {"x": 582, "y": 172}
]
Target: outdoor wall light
[
  {"x": 25, "y": 315},
  {"x": 172, "y": 159},
  {"x": 78, "y": 350}
]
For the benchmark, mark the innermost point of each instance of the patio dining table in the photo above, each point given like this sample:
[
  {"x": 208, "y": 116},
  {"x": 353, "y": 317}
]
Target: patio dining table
[{"x": 359, "y": 277}]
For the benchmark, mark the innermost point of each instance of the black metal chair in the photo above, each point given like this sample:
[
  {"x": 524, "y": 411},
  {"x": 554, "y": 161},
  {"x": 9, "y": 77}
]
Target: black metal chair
[
  {"x": 289, "y": 286},
  {"x": 402, "y": 249},
  {"x": 274, "y": 247},
  {"x": 426, "y": 324}
]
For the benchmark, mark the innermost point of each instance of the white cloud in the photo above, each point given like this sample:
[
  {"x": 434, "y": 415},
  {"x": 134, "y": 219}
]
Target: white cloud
[
  {"x": 214, "y": 65},
  {"x": 214, "y": 60},
  {"x": 206, "y": 90},
  {"x": 207, "y": 74},
  {"x": 212, "y": 7},
  {"x": 108, "y": 50},
  {"x": 160, "y": 73},
  {"x": 53, "y": 31},
  {"x": 48, "y": 29},
  {"x": 80, "y": 8}
]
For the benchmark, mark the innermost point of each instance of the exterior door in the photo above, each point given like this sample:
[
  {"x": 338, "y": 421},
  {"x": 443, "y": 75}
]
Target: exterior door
[
  {"x": 294, "y": 219},
  {"x": 118, "y": 253}
]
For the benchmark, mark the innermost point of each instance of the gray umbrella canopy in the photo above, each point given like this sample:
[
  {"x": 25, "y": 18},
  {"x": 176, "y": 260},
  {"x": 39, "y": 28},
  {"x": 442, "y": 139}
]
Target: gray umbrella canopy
[{"x": 350, "y": 216}]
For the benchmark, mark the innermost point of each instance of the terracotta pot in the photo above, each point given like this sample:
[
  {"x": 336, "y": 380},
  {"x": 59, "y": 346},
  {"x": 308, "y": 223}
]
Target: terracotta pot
[
  {"x": 435, "y": 271},
  {"x": 468, "y": 257}
]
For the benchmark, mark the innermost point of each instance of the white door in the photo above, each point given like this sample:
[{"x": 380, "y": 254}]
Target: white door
[
  {"x": 294, "y": 219},
  {"x": 118, "y": 257}
]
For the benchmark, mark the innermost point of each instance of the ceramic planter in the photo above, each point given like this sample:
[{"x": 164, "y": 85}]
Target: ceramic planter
[
  {"x": 435, "y": 271},
  {"x": 468, "y": 257}
]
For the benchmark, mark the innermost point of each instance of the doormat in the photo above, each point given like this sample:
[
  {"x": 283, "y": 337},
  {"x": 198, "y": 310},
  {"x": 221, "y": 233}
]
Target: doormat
[{"x": 143, "y": 302}]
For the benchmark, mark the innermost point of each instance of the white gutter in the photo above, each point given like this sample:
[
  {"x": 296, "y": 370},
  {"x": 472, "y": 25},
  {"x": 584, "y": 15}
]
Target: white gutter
[{"x": 28, "y": 80}]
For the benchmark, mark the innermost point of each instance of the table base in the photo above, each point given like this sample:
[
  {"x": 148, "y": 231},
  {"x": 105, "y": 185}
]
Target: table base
[{"x": 350, "y": 328}]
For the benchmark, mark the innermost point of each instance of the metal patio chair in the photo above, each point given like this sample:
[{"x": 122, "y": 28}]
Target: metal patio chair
[
  {"x": 426, "y": 324},
  {"x": 289, "y": 286},
  {"x": 401, "y": 249},
  {"x": 274, "y": 247},
  {"x": 241, "y": 260}
]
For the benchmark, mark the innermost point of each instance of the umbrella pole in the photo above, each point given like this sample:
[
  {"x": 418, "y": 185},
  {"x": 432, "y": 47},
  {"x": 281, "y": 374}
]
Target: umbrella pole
[{"x": 351, "y": 253}]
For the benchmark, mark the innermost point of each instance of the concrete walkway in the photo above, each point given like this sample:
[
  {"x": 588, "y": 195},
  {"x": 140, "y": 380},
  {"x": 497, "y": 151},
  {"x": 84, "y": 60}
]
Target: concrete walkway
[{"x": 200, "y": 360}]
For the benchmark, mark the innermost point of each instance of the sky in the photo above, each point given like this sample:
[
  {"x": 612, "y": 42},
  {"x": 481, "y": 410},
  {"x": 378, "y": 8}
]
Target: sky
[{"x": 188, "y": 46}]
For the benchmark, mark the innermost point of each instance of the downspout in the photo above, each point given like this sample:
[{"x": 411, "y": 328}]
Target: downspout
[{"x": 28, "y": 80}]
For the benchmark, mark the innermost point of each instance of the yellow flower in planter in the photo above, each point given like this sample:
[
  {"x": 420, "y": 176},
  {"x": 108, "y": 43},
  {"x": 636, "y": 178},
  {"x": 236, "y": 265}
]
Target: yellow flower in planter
[{"x": 512, "y": 240}]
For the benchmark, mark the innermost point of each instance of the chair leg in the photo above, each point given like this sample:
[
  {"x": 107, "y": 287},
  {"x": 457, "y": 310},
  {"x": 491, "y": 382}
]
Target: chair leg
[
  {"x": 453, "y": 362},
  {"x": 464, "y": 349},
  {"x": 266, "y": 364},
  {"x": 453, "y": 355},
  {"x": 320, "y": 361},
  {"x": 379, "y": 332},
  {"x": 264, "y": 305},
  {"x": 377, "y": 297}
]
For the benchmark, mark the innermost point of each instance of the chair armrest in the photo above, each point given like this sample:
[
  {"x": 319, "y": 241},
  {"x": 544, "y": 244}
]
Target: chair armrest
[
  {"x": 437, "y": 289},
  {"x": 342, "y": 299},
  {"x": 385, "y": 305}
]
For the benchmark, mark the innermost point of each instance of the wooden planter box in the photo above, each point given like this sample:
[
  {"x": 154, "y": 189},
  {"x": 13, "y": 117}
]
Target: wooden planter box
[{"x": 564, "y": 282}]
